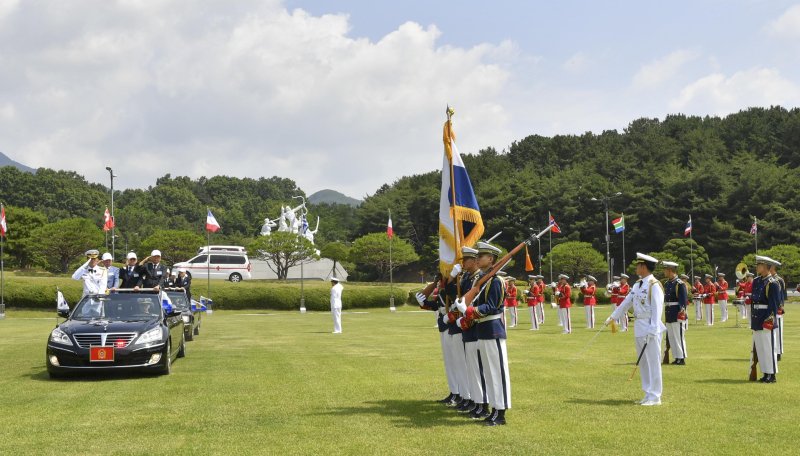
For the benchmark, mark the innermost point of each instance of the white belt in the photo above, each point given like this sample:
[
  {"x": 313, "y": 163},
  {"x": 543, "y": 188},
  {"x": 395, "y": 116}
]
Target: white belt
[
  {"x": 490, "y": 318},
  {"x": 671, "y": 304},
  {"x": 760, "y": 306}
]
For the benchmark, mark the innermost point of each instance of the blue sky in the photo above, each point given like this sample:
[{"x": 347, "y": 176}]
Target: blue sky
[{"x": 351, "y": 94}]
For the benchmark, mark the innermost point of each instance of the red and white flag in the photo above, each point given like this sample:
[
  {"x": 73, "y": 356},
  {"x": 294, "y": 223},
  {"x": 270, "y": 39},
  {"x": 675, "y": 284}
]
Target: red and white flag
[
  {"x": 389, "y": 231},
  {"x": 108, "y": 222},
  {"x": 211, "y": 223},
  {"x": 3, "y": 226},
  {"x": 754, "y": 228},
  {"x": 553, "y": 223}
]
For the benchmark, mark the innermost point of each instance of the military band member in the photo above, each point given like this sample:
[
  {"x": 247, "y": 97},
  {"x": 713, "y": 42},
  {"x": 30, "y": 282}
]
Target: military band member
[
  {"x": 697, "y": 298},
  {"x": 156, "y": 272},
  {"x": 477, "y": 406},
  {"x": 675, "y": 301},
  {"x": 511, "y": 300},
  {"x": 646, "y": 298},
  {"x": 763, "y": 313},
  {"x": 722, "y": 297},
  {"x": 588, "y": 291},
  {"x": 779, "y": 320},
  {"x": 131, "y": 275},
  {"x": 709, "y": 299},
  {"x": 113, "y": 271},
  {"x": 564, "y": 295},
  {"x": 92, "y": 274},
  {"x": 540, "y": 298},
  {"x": 622, "y": 291},
  {"x": 486, "y": 310},
  {"x": 532, "y": 298}
]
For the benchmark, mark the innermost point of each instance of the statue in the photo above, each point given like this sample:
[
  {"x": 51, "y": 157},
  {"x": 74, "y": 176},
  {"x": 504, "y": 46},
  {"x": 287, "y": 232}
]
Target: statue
[
  {"x": 266, "y": 228},
  {"x": 282, "y": 221},
  {"x": 310, "y": 234},
  {"x": 290, "y": 219}
]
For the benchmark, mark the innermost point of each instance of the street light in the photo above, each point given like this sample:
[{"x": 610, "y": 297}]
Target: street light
[
  {"x": 113, "y": 222},
  {"x": 605, "y": 199}
]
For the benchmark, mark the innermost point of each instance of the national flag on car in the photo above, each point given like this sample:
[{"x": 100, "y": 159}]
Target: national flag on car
[
  {"x": 688, "y": 230},
  {"x": 211, "y": 223},
  {"x": 553, "y": 223},
  {"x": 3, "y": 226},
  {"x": 108, "y": 222},
  {"x": 389, "y": 230},
  {"x": 619, "y": 224},
  {"x": 166, "y": 303},
  {"x": 61, "y": 302}
]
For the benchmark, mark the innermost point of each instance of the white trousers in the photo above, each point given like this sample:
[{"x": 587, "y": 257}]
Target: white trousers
[
  {"x": 534, "y": 317},
  {"x": 514, "y": 316},
  {"x": 742, "y": 311},
  {"x": 779, "y": 336},
  {"x": 449, "y": 372},
  {"x": 764, "y": 340},
  {"x": 623, "y": 320},
  {"x": 455, "y": 344},
  {"x": 677, "y": 339},
  {"x": 476, "y": 380},
  {"x": 723, "y": 310},
  {"x": 494, "y": 359},
  {"x": 709, "y": 314},
  {"x": 650, "y": 367},
  {"x": 565, "y": 319},
  {"x": 589, "y": 316},
  {"x": 698, "y": 310},
  {"x": 337, "y": 319},
  {"x": 540, "y": 312}
]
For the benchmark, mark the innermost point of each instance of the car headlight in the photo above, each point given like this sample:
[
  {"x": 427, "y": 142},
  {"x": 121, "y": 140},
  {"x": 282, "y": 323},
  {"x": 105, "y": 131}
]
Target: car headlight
[
  {"x": 186, "y": 319},
  {"x": 154, "y": 335},
  {"x": 60, "y": 337}
]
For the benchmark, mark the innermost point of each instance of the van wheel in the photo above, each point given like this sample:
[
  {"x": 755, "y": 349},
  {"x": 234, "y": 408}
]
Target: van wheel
[{"x": 235, "y": 277}]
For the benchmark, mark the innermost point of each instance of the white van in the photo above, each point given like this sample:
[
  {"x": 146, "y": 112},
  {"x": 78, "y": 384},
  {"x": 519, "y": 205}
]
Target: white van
[
  {"x": 222, "y": 248},
  {"x": 224, "y": 265}
]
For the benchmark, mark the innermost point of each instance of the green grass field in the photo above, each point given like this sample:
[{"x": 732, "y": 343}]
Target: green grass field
[{"x": 280, "y": 383}]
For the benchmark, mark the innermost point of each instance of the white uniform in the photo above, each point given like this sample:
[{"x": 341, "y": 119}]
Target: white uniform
[
  {"x": 94, "y": 279},
  {"x": 336, "y": 307},
  {"x": 647, "y": 299}
]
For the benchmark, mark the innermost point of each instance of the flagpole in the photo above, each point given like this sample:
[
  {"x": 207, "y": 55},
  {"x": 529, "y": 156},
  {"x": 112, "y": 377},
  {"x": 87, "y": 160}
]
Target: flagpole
[
  {"x": 2, "y": 281},
  {"x": 550, "y": 252},
  {"x": 691, "y": 247},
  {"x": 624, "y": 264},
  {"x": 208, "y": 257},
  {"x": 391, "y": 277},
  {"x": 452, "y": 183},
  {"x": 755, "y": 222}
]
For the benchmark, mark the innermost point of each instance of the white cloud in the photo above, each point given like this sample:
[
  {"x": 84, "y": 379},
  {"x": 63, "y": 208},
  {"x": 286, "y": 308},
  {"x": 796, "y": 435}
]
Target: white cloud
[
  {"x": 248, "y": 90},
  {"x": 787, "y": 25},
  {"x": 720, "y": 94},
  {"x": 578, "y": 63},
  {"x": 659, "y": 71}
]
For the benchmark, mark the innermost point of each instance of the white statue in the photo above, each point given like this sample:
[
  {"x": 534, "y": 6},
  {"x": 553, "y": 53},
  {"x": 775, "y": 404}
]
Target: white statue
[
  {"x": 291, "y": 217},
  {"x": 282, "y": 221},
  {"x": 266, "y": 228},
  {"x": 310, "y": 234}
]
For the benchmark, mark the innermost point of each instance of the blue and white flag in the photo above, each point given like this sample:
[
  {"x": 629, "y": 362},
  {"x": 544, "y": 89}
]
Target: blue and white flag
[
  {"x": 303, "y": 224},
  {"x": 166, "y": 303},
  {"x": 61, "y": 302}
]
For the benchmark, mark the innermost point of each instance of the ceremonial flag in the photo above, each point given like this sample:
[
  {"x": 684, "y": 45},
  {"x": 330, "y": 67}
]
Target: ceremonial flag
[
  {"x": 619, "y": 224},
  {"x": 108, "y": 222},
  {"x": 754, "y": 228},
  {"x": 688, "y": 230},
  {"x": 166, "y": 303},
  {"x": 61, "y": 302},
  {"x": 211, "y": 223},
  {"x": 3, "y": 226},
  {"x": 528, "y": 263},
  {"x": 389, "y": 231},
  {"x": 553, "y": 223},
  {"x": 460, "y": 221}
]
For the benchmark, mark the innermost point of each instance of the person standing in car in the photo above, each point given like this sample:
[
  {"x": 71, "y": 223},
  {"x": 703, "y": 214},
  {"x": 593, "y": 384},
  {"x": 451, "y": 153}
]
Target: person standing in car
[{"x": 156, "y": 272}]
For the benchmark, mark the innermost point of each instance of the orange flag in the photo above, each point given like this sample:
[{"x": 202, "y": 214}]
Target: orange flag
[{"x": 528, "y": 264}]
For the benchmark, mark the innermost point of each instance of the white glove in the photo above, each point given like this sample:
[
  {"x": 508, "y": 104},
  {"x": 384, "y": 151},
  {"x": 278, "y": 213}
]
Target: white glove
[
  {"x": 558, "y": 293},
  {"x": 461, "y": 305},
  {"x": 608, "y": 321},
  {"x": 456, "y": 270},
  {"x": 420, "y": 298},
  {"x": 458, "y": 321},
  {"x": 442, "y": 310}
]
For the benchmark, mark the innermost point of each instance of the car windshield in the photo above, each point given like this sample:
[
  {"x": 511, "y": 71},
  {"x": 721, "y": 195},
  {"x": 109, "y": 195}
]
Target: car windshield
[
  {"x": 179, "y": 300},
  {"x": 121, "y": 306}
]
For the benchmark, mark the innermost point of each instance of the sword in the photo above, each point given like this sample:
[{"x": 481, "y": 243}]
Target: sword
[{"x": 639, "y": 359}]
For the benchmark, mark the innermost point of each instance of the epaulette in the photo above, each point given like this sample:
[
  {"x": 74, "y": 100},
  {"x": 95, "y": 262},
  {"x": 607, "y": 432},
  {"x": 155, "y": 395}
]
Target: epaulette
[
  {"x": 772, "y": 279},
  {"x": 678, "y": 281}
]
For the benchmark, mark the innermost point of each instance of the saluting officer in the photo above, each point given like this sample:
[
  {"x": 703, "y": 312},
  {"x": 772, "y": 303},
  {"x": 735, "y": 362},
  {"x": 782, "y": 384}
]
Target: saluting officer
[
  {"x": 92, "y": 273},
  {"x": 779, "y": 320},
  {"x": 675, "y": 301},
  {"x": 763, "y": 313},
  {"x": 156, "y": 272},
  {"x": 132, "y": 274},
  {"x": 646, "y": 298}
]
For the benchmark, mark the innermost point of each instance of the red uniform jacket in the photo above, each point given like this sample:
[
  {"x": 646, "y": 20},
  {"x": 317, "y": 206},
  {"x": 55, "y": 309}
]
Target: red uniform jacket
[
  {"x": 722, "y": 290},
  {"x": 540, "y": 296},
  {"x": 511, "y": 295},
  {"x": 697, "y": 289},
  {"x": 533, "y": 295},
  {"x": 740, "y": 289},
  {"x": 588, "y": 295},
  {"x": 565, "y": 301},
  {"x": 624, "y": 288},
  {"x": 615, "y": 296},
  {"x": 710, "y": 290}
]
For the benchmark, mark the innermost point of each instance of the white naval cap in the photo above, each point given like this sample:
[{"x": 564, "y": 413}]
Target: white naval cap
[
  {"x": 92, "y": 253},
  {"x": 502, "y": 273},
  {"x": 334, "y": 279},
  {"x": 533, "y": 276},
  {"x": 485, "y": 247},
  {"x": 624, "y": 276},
  {"x": 107, "y": 256},
  {"x": 469, "y": 252},
  {"x": 591, "y": 278},
  {"x": 670, "y": 264},
  {"x": 767, "y": 260},
  {"x": 563, "y": 276},
  {"x": 642, "y": 258},
  {"x": 684, "y": 277},
  {"x": 721, "y": 274}
]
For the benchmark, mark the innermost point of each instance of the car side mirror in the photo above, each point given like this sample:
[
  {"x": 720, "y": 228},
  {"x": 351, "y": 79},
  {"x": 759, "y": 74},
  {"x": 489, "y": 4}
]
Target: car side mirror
[
  {"x": 63, "y": 313},
  {"x": 174, "y": 313}
]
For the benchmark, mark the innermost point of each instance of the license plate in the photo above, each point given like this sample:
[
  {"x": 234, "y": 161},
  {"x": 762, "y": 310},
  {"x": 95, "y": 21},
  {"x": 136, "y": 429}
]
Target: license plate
[{"x": 101, "y": 354}]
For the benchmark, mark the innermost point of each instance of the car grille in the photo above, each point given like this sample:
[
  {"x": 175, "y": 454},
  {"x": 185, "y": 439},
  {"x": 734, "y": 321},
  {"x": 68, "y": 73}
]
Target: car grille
[{"x": 119, "y": 340}]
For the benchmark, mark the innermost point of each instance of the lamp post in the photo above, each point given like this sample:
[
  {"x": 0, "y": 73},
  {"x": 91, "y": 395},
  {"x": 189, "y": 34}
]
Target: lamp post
[
  {"x": 605, "y": 199},
  {"x": 113, "y": 222}
]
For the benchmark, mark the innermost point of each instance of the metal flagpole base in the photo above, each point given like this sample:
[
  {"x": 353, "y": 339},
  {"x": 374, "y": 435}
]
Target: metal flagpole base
[
  {"x": 302, "y": 305},
  {"x": 2, "y": 311},
  {"x": 392, "y": 308}
]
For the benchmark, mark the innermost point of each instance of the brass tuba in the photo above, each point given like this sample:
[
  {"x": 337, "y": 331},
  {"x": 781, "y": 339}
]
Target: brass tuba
[{"x": 741, "y": 271}]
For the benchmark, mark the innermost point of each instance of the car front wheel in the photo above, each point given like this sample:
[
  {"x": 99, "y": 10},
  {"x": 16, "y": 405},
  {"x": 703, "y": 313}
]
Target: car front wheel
[{"x": 235, "y": 277}]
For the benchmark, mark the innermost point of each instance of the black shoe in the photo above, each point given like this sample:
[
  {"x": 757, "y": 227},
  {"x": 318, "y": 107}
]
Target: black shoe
[
  {"x": 771, "y": 379},
  {"x": 676, "y": 362},
  {"x": 499, "y": 418},
  {"x": 491, "y": 416},
  {"x": 447, "y": 399},
  {"x": 465, "y": 407},
  {"x": 779, "y": 356},
  {"x": 472, "y": 409},
  {"x": 479, "y": 413},
  {"x": 764, "y": 378},
  {"x": 680, "y": 362},
  {"x": 454, "y": 401}
]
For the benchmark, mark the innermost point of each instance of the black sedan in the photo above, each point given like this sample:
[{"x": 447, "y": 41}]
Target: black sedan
[
  {"x": 118, "y": 331},
  {"x": 191, "y": 315}
]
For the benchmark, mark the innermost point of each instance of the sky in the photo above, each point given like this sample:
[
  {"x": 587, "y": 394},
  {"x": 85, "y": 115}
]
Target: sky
[{"x": 350, "y": 95}]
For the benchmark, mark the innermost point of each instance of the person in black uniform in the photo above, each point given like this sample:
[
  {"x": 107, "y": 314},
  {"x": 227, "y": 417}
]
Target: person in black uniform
[
  {"x": 675, "y": 301},
  {"x": 156, "y": 272},
  {"x": 184, "y": 280},
  {"x": 764, "y": 305},
  {"x": 132, "y": 274}
]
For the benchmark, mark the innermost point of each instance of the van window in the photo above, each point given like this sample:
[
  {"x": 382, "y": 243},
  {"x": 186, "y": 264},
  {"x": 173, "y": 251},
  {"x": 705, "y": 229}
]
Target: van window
[
  {"x": 199, "y": 259},
  {"x": 237, "y": 259}
]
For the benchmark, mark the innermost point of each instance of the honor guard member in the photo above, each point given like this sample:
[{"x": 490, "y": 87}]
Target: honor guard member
[
  {"x": 588, "y": 290},
  {"x": 779, "y": 319},
  {"x": 434, "y": 303},
  {"x": 132, "y": 274},
  {"x": 722, "y": 297},
  {"x": 92, "y": 274},
  {"x": 540, "y": 307},
  {"x": 454, "y": 340},
  {"x": 155, "y": 272},
  {"x": 532, "y": 299},
  {"x": 676, "y": 298},
  {"x": 646, "y": 298},
  {"x": 697, "y": 298},
  {"x": 477, "y": 406},
  {"x": 184, "y": 280},
  {"x": 511, "y": 300},
  {"x": 113, "y": 272},
  {"x": 622, "y": 291},
  {"x": 487, "y": 310},
  {"x": 564, "y": 294},
  {"x": 709, "y": 299},
  {"x": 763, "y": 313},
  {"x": 336, "y": 305}
]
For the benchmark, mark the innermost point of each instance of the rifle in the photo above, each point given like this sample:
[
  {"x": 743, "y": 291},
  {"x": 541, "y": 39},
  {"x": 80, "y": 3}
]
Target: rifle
[
  {"x": 754, "y": 365},
  {"x": 666, "y": 353},
  {"x": 500, "y": 264}
]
